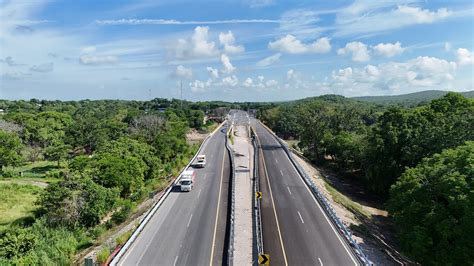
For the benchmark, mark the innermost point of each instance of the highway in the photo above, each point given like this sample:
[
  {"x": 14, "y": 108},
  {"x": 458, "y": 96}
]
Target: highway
[
  {"x": 189, "y": 227},
  {"x": 296, "y": 231}
]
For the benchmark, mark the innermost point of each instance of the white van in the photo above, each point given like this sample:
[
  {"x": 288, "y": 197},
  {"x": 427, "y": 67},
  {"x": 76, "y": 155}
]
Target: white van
[{"x": 186, "y": 180}]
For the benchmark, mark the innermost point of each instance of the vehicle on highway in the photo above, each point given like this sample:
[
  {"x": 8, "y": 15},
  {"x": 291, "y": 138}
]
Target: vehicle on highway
[
  {"x": 201, "y": 161},
  {"x": 186, "y": 180}
]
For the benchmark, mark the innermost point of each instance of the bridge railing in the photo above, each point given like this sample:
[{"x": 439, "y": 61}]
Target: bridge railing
[
  {"x": 231, "y": 208},
  {"x": 257, "y": 208},
  {"x": 329, "y": 210}
]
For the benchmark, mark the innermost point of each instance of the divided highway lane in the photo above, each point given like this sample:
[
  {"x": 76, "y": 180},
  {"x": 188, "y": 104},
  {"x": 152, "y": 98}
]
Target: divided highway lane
[
  {"x": 189, "y": 227},
  {"x": 296, "y": 231}
]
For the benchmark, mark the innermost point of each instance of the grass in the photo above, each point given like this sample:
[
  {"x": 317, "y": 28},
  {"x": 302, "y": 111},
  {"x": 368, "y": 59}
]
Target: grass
[
  {"x": 17, "y": 203},
  {"x": 122, "y": 239},
  {"x": 36, "y": 169},
  {"x": 210, "y": 126},
  {"x": 346, "y": 202},
  {"x": 293, "y": 143},
  {"x": 23, "y": 180},
  {"x": 103, "y": 255},
  {"x": 34, "y": 172}
]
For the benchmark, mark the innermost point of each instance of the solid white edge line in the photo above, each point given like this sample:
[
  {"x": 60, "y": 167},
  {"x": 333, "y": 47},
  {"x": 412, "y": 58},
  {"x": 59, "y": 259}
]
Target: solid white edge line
[{"x": 320, "y": 261}]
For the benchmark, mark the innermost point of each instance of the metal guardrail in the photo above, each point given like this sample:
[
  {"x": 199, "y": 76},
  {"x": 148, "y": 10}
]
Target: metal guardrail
[
  {"x": 257, "y": 208},
  {"x": 324, "y": 202},
  {"x": 230, "y": 250},
  {"x": 153, "y": 210}
]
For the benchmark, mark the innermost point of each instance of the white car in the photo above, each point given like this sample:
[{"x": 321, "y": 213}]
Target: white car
[{"x": 201, "y": 161}]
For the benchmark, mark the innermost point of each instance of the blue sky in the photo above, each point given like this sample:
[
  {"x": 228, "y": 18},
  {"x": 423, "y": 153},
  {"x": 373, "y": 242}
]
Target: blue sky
[{"x": 248, "y": 50}]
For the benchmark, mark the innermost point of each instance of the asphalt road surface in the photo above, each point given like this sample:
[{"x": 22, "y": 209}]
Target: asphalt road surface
[
  {"x": 189, "y": 227},
  {"x": 296, "y": 231}
]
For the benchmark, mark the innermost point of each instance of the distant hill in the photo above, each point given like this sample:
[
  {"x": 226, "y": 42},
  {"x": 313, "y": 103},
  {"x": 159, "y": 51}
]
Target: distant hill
[{"x": 410, "y": 99}]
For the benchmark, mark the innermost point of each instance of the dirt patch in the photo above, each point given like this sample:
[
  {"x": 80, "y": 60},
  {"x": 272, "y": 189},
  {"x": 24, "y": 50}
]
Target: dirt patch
[
  {"x": 26, "y": 182},
  {"x": 195, "y": 137},
  {"x": 363, "y": 214}
]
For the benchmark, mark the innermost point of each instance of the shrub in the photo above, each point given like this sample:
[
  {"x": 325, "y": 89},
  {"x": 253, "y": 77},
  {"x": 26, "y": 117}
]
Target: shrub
[
  {"x": 103, "y": 255},
  {"x": 9, "y": 173},
  {"x": 123, "y": 238},
  {"x": 121, "y": 215}
]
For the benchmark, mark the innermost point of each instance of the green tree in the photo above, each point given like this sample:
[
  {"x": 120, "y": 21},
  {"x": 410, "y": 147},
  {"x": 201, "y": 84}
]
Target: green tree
[
  {"x": 76, "y": 203},
  {"x": 123, "y": 172},
  {"x": 57, "y": 151},
  {"x": 403, "y": 137},
  {"x": 10, "y": 149},
  {"x": 125, "y": 146},
  {"x": 433, "y": 207},
  {"x": 16, "y": 241},
  {"x": 196, "y": 118}
]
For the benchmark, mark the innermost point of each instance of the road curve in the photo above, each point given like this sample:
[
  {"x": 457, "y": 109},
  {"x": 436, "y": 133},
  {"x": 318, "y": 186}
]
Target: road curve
[
  {"x": 189, "y": 227},
  {"x": 296, "y": 231}
]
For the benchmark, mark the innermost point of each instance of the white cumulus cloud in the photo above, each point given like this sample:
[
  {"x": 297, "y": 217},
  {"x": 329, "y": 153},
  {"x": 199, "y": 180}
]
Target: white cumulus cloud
[
  {"x": 464, "y": 57},
  {"x": 271, "y": 83},
  {"x": 230, "y": 81},
  {"x": 247, "y": 83},
  {"x": 228, "y": 67},
  {"x": 228, "y": 41},
  {"x": 183, "y": 72},
  {"x": 196, "y": 46},
  {"x": 419, "y": 73},
  {"x": 197, "y": 86},
  {"x": 389, "y": 49},
  {"x": 213, "y": 72},
  {"x": 423, "y": 15},
  {"x": 358, "y": 51},
  {"x": 290, "y": 44}
]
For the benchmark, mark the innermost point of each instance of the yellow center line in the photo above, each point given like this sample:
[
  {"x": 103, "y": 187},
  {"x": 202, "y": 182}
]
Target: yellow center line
[
  {"x": 217, "y": 215},
  {"x": 273, "y": 203}
]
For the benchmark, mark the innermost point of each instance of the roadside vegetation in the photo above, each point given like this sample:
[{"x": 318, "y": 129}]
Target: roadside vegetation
[
  {"x": 72, "y": 170},
  {"x": 17, "y": 203},
  {"x": 417, "y": 159}
]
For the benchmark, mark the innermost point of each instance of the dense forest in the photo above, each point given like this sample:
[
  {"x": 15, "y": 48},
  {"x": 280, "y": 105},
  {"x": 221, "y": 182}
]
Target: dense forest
[
  {"x": 418, "y": 159},
  {"x": 97, "y": 159}
]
